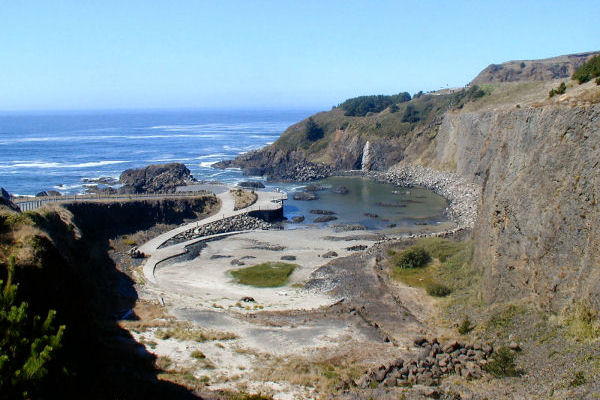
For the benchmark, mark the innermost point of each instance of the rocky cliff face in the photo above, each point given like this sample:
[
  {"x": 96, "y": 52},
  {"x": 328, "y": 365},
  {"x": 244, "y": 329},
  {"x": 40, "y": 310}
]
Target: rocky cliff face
[
  {"x": 538, "y": 230},
  {"x": 561, "y": 67}
]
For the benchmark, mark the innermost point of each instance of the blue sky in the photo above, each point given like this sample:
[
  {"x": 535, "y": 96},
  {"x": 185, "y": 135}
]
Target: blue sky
[{"x": 277, "y": 54}]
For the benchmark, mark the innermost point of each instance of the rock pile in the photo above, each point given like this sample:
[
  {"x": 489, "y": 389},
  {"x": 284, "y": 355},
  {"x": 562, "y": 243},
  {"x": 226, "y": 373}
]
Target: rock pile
[
  {"x": 236, "y": 223},
  {"x": 433, "y": 362}
]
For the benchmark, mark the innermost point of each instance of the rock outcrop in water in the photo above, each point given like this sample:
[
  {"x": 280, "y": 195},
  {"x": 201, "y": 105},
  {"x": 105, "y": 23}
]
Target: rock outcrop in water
[{"x": 157, "y": 178}]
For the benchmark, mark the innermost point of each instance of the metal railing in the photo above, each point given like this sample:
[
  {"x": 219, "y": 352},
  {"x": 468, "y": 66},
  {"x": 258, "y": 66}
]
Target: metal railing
[{"x": 32, "y": 204}]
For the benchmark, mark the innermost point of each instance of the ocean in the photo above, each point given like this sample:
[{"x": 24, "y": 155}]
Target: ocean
[{"x": 58, "y": 151}]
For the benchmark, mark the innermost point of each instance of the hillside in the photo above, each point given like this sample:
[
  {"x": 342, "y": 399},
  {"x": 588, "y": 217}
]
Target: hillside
[{"x": 407, "y": 129}]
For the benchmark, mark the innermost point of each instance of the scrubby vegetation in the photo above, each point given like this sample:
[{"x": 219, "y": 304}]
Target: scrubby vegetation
[
  {"x": 268, "y": 274},
  {"x": 27, "y": 343},
  {"x": 503, "y": 364},
  {"x": 561, "y": 89},
  {"x": 582, "y": 322},
  {"x": 588, "y": 71},
  {"x": 360, "y": 106},
  {"x": 465, "y": 326},
  {"x": 437, "y": 289}
]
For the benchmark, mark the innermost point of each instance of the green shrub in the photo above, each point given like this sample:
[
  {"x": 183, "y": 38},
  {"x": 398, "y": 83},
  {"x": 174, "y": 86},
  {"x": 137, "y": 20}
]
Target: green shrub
[
  {"x": 413, "y": 257},
  {"x": 27, "y": 344},
  {"x": 578, "y": 379},
  {"x": 561, "y": 89},
  {"x": 597, "y": 81},
  {"x": 465, "y": 326},
  {"x": 438, "y": 290},
  {"x": 503, "y": 364},
  {"x": 589, "y": 70}
]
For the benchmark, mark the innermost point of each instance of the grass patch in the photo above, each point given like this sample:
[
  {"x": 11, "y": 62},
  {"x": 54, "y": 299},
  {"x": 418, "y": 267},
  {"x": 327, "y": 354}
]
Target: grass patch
[
  {"x": 198, "y": 355},
  {"x": 268, "y": 274},
  {"x": 440, "y": 266},
  {"x": 582, "y": 322}
]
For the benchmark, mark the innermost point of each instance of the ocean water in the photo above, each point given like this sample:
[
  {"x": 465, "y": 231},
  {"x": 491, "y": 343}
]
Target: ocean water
[{"x": 57, "y": 151}]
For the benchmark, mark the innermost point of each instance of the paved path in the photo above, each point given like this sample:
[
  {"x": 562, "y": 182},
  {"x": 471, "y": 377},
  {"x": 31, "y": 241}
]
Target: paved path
[{"x": 265, "y": 201}]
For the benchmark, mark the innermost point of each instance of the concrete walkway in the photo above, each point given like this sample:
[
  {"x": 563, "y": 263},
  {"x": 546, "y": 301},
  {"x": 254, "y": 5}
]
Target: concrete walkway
[{"x": 265, "y": 201}]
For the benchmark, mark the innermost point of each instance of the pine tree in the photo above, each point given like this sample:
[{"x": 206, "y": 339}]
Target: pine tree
[
  {"x": 313, "y": 130},
  {"x": 27, "y": 344}
]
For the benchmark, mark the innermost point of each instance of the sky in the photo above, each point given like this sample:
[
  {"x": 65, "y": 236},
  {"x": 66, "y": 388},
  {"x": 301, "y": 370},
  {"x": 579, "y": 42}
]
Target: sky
[{"x": 74, "y": 54}]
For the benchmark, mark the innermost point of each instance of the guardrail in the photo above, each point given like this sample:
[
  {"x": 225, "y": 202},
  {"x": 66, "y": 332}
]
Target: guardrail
[{"x": 29, "y": 205}]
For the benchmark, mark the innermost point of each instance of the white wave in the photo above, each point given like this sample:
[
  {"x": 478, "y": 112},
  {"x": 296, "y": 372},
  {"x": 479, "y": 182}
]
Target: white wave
[
  {"x": 207, "y": 164},
  {"x": 67, "y": 187},
  {"x": 208, "y": 156},
  {"x": 43, "y": 165}
]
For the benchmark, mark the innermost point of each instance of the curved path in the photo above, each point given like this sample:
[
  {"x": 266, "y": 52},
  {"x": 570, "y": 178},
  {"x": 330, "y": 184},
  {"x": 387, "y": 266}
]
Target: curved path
[{"x": 265, "y": 201}]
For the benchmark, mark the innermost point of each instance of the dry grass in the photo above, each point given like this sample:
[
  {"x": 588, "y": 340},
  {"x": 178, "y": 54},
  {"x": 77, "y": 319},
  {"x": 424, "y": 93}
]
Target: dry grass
[
  {"x": 324, "y": 376},
  {"x": 186, "y": 331},
  {"x": 243, "y": 198}
]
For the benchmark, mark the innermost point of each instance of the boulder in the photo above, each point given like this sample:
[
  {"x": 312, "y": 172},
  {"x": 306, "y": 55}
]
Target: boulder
[
  {"x": 288, "y": 258},
  {"x": 313, "y": 188},
  {"x": 340, "y": 190},
  {"x": 157, "y": 178},
  {"x": 322, "y": 212},
  {"x": 305, "y": 196},
  {"x": 330, "y": 254},
  {"x": 325, "y": 218},
  {"x": 298, "y": 218},
  {"x": 252, "y": 184}
]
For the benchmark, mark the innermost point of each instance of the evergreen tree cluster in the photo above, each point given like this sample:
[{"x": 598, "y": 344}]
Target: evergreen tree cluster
[
  {"x": 27, "y": 344},
  {"x": 360, "y": 106},
  {"x": 588, "y": 71}
]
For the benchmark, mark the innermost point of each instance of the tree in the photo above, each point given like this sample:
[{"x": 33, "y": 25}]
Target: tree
[
  {"x": 393, "y": 108},
  {"x": 27, "y": 344},
  {"x": 313, "y": 130},
  {"x": 362, "y": 105},
  {"x": 589, "y": 70}
]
